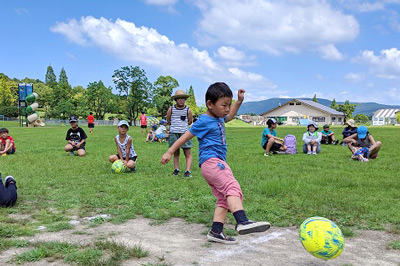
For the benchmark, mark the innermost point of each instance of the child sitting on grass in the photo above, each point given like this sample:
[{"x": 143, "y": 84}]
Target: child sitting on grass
[
  {"x": 126, "y": 152},
  {"x": 269, "y": 140},
  {"x": 161, "y": 132},
  {"x": 328, "y": 136},
  {"x": 76, "y": 138},
  {"x": 210, "y": 132},
  {"x": 151, "y": 136},
  {"x": 363, "y": 143},
  {"x": 7, "y": 145},
  {"x": 8, "y": 192},
  {"x": 312, "y": 139}
]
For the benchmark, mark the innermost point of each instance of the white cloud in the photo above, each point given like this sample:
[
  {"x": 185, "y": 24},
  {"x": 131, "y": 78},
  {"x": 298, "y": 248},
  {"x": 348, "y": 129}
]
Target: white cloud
[
  {"x": 21, "y": 11},
  {"x": 319, "y": 76},
  {"x": 231, "y": 54},
  {"x": 161, "y": 2},
  {"x": 354, "y": 77},
  {"x": 367, "y": 5},
  {"x": 385, "y": 65},
  {"x": 128, "y": 42},
  {"x": 73, "y": 57},
  {"x": 274, "y": 27},
  {"x": 330, "y": 52}
]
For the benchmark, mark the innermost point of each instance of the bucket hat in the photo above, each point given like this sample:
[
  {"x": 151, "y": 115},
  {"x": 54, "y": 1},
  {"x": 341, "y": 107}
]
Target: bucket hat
[
  {"x": 179, "y": 94},
  {"x": 350, "y": 122}
]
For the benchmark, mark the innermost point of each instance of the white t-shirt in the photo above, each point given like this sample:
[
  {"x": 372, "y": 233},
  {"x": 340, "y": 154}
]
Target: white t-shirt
[{"x": 161, "y": 129}]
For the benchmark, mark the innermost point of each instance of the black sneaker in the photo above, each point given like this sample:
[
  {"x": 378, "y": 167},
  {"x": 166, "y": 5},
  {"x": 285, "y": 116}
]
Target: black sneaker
[
  {"x": 187, "y": 174},
  {"x": 132, "y": 170},
  {"x": 176, "y": 172},
  {"x": 220, "y": 238},
  {"x": 252, "y": 227},
  {"x": 9, "y": 179}
]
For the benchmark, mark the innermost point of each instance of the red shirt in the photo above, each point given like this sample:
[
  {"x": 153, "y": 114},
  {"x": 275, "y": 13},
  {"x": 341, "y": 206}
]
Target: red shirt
[
  {"x": 3, "y": 141},
  {"x": 143, "y": 120},
  {"x": 90, "y": 119}
]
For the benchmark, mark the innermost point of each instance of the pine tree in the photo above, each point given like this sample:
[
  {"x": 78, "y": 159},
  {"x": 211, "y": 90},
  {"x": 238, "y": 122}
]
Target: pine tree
[
  {"x": 315, "y": 98},
  {"x": 191, "y": 101},
  {"x": 63, "y": 89},
  {"x": 333, "y": 104},
  {"x": 50, "y": 79}
]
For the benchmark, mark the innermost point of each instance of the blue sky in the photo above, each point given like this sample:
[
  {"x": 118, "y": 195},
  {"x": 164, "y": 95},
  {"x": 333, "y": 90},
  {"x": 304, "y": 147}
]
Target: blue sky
[{"x": 344, "y": 49}]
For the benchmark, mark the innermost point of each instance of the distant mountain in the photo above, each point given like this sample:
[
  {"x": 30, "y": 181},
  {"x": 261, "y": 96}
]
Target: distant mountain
[{"x": 260, "y": 107}]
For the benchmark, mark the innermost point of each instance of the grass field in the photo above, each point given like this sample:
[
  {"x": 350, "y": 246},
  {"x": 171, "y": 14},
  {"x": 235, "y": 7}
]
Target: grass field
[{"x": 282, "y": 189}]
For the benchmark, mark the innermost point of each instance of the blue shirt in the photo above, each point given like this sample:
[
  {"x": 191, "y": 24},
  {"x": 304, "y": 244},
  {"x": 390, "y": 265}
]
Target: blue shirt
[
  {"x": 210, "y": 133},
  {"x": 264, "y": 137},
  {"x": 326, "y": 132}
]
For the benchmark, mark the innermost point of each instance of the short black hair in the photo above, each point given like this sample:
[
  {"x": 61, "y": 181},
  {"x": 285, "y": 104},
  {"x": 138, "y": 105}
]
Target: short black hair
[
  {"x": 218, "y": 90},
  {"x": 270, "y": 122},
  {"x": 91, "y": 113},
  {"x": 3, "y": 130}
]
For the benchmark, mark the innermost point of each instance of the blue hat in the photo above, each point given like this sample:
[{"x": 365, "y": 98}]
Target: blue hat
[
  {"x": 123, "y": 122},
  {"x": 154, "y": 126},
  {"x": 362, "y": 132},
  {"x": 163, "y": 121}
]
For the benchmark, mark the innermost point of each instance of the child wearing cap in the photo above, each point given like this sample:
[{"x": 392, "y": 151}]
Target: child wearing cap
[
  {"x": 125, "y": 149},
  {"x": 269, "y": 140},
  {"x": 312, "y": 139},
  {"x": 7, "y": 145},
  {"x": 76, "y": 138},
  {"x": 328, "y": 136},
  {"x": 8, "y": 192},
  {"x": 179, "y": 117},
  {"x": 161, "y": 132},
  {"x": 151, "y": 136},
  {"x": 210, "y": 132},
  {"x": 363, "y": 139}
]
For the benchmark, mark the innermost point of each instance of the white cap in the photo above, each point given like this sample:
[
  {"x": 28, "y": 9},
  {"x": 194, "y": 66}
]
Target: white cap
[{"x": 123, "y": 122}]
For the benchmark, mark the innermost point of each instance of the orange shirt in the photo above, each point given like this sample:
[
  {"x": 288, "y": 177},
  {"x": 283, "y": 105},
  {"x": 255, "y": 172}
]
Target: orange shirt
[{"x": 90, "y": 119}]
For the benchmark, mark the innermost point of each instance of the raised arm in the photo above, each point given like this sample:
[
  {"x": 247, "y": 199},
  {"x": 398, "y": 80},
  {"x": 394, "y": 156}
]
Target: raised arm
[{"x": 236, "y": 106}]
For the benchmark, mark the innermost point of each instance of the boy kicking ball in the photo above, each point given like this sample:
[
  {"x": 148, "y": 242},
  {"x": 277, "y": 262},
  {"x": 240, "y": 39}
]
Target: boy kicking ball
[{"x": 210, "y": 132}]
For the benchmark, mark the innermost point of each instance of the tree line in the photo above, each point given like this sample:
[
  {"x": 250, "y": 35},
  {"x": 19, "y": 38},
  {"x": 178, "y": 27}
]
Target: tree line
[{"x": 135, "y": 93}]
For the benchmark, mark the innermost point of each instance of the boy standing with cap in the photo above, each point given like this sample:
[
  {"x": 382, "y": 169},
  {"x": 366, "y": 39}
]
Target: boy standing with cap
[
  {"x": 76, "y": 138},
  {"x": 179, "y": 117}
]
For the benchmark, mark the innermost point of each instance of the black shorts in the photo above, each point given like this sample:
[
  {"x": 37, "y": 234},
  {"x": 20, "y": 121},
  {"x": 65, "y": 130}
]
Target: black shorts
[
  {"x": 275, "y": 146},
  {"x": 143, "y": 126},
  {"x": 11, "y": 151},
  {"x": 90, "y": 125},
  {"x": 130, "y": 158},
  {"x": 80, "y": 147}
]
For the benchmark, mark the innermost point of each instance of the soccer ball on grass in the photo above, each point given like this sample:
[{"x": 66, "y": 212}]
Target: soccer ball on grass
[
  {"x": 321, "y": 237},
  {"x": 118, "y": 167}
]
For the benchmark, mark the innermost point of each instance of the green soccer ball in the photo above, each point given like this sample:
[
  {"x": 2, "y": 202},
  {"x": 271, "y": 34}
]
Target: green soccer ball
[{"x": 118, "y": 167}]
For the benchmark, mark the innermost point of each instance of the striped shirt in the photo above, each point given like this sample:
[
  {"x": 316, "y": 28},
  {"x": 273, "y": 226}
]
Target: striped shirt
[
  {"x": 124, "y": 145},
  {"x": 179, "y": 120}
]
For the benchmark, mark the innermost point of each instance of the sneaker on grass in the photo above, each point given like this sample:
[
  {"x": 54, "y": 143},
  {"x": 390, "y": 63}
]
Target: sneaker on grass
[
  {"x": 266, "y": 154},
  {"x": 71, "y": 153},
  {"x": 8, "y": 180},
  {"x": 221, "y": 238},
  {"x": 252, "y": 227},
  {"x": 187, "y": 174},
  {"x": 176, "y": 172}
]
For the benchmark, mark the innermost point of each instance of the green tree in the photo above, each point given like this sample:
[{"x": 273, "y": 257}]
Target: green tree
[
  {"x": 62, "y": 110},
  {"x": 315, "y": 98},
  {"x": 398, "y": 117},
  {"x": 162, "y": 90},
  {"x": 333, "y": 104},
  {"x": 191, "y": 101},
  {"x": 347, "y": 108},
  {"x": 133, "y": 85},
  {"x": 361, "y": 119},
  {"x": 63, "y": 90},
  {"x": 45, "y": 94},
  {"x": 51, "y": 82},
  {"x": 78, "y": 99},
  {"x": 6, "y": 95},
  {"x": 99, "y": 99}
]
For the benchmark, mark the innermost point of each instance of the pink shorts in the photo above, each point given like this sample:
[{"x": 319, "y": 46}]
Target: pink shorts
[{"x": 219, "y": 176}]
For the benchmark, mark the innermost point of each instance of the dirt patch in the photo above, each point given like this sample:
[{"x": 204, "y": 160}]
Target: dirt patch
[{"x": 179, "y": 243}]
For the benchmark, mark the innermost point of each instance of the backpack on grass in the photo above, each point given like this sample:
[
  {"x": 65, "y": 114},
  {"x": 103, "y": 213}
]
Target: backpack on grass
[{"x": 290, "y": 142}]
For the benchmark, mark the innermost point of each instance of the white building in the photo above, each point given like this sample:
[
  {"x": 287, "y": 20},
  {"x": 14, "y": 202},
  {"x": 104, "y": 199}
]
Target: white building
[
  {"x": 384, "y": 117},
  {"x": 296, "y": 110}
]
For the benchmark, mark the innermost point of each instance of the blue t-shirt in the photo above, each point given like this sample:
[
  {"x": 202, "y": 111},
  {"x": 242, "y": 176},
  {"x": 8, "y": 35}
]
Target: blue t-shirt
[
  {"x": 264, "y": 137},
  {"x": 210, "y": 132}
]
